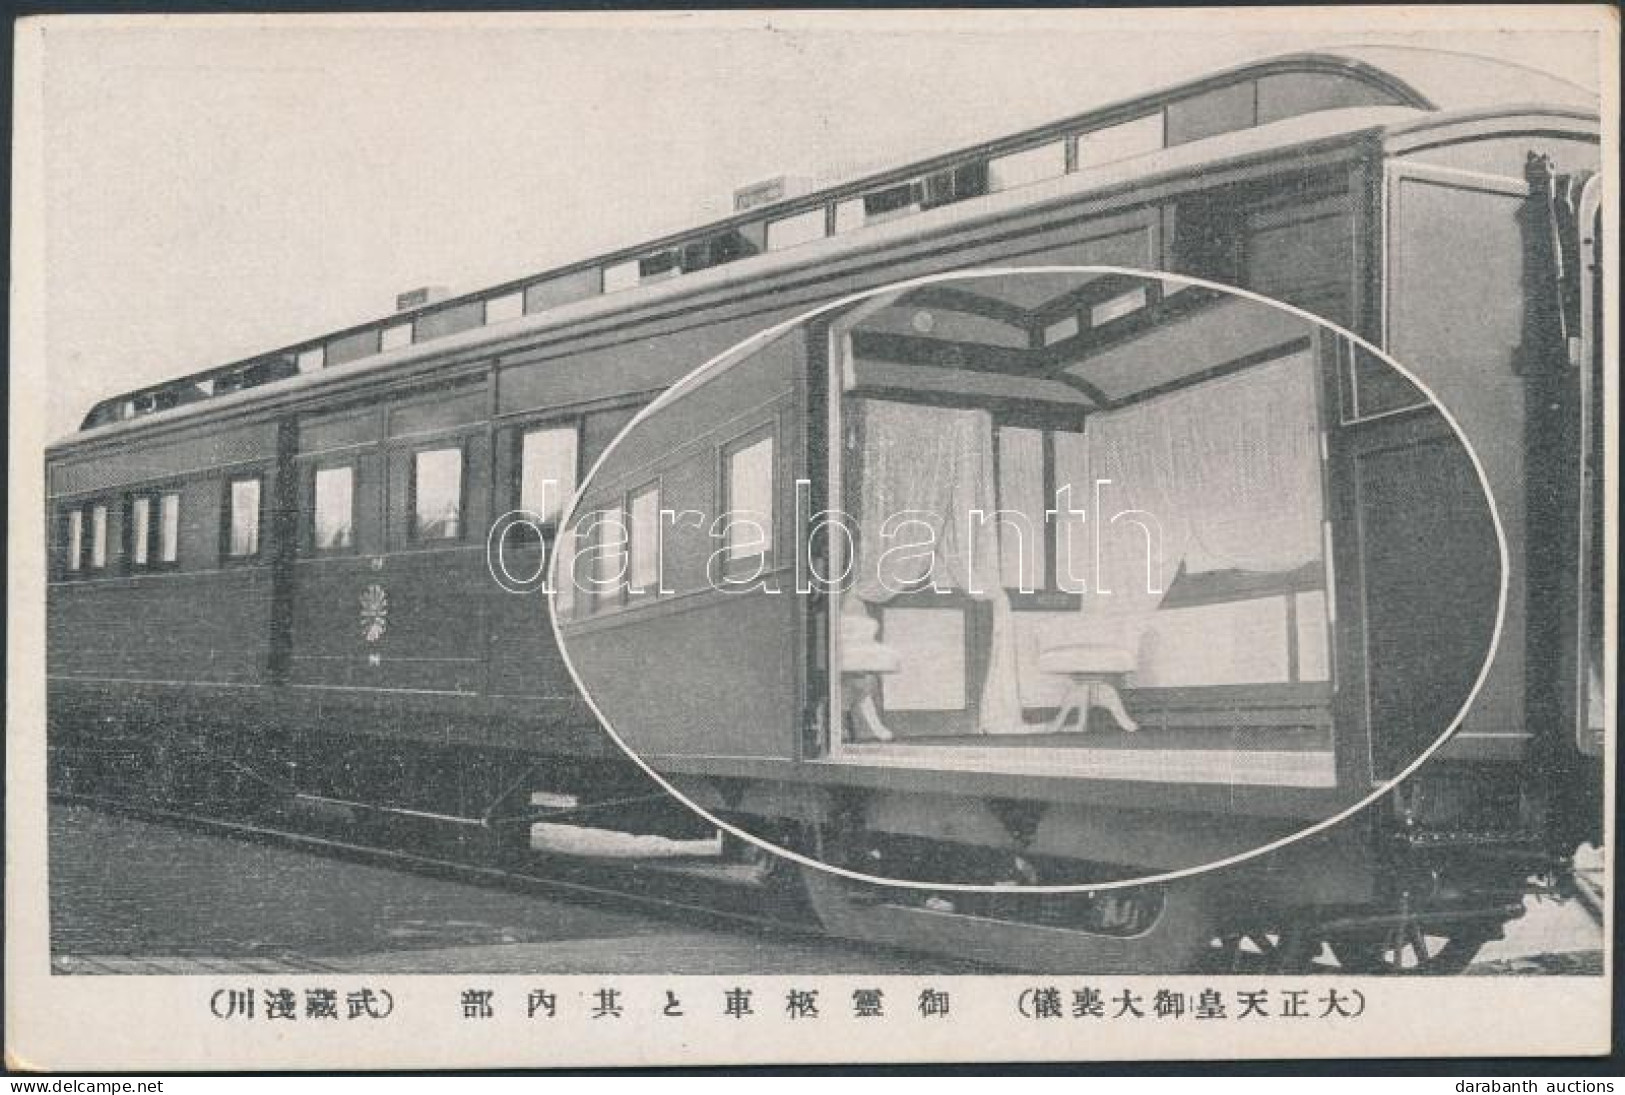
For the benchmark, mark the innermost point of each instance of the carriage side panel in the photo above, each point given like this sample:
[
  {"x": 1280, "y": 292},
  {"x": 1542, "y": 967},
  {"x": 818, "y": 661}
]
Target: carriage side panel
[
  {"x": 719, "y": 660},
  {"x": 199, "y": 618}
]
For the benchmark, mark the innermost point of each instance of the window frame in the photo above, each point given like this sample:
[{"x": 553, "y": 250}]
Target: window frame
[
  {"x": 228, "y": 519},
  {"x": 414, "y": 537},
  {"x": 131, "y": 541},
  {"x": 154, "y": 497},
  {"x": 1047, "y": 593},
  {"x": 516, "y": 491},
  {"x": 632, "y": 591},
  {"x": 748, "y": 566},
  {"x": 89, "y": 541},
  {"x": 70, "y": 564},
  {"x": 602, "y": 599},
  {"x": 157, "y": 555},
  {"x": 308, "y": 516}
]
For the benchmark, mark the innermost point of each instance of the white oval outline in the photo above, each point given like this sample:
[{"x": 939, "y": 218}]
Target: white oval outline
[{"x": 761, "y": 338}]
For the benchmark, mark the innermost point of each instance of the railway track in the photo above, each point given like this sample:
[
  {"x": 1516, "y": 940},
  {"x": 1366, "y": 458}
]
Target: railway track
[
  {"x": 685, "y": 892},
  {"x": 690, "y": 890}
]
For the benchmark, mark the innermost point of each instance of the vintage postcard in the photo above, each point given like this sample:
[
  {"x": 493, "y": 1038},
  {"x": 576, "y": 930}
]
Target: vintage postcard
[{"x": 812, "y": 537}]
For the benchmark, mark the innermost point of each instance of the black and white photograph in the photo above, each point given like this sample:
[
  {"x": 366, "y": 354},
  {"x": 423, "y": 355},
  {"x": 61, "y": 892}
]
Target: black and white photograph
[{"x": 695, "y": 538}]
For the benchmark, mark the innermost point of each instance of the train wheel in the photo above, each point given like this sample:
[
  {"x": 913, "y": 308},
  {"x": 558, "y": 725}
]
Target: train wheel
[
  {"x": 762, "y": 868},
  {"x": 1285, "y": 952},
  {"x": 1411, "y": 948},
  {"x": 1165, "y": 929}
]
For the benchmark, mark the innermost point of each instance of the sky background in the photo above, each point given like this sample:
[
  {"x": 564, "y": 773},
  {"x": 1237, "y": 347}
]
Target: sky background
[{"x": 214, "y": 190}]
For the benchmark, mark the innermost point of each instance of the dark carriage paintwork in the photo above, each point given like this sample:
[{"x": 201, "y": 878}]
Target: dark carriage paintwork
[{"x": 1318, "y": 194}]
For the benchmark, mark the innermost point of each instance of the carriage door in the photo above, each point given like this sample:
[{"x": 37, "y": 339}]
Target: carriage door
[
  {"x": 390, "y": 568},
  {"x": 339, "y": 484}
]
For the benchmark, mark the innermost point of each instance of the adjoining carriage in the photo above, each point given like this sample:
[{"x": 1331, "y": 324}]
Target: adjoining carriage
[{"x": 274, "y": 578}]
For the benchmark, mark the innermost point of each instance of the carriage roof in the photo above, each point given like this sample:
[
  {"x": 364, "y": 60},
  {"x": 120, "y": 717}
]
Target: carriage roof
[{"x": 1337, "y": 95}]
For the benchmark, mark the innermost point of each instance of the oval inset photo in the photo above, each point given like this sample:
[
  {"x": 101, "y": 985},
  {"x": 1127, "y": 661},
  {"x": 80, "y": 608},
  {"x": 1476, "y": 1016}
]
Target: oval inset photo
[{"x": 1031, "y": 596}]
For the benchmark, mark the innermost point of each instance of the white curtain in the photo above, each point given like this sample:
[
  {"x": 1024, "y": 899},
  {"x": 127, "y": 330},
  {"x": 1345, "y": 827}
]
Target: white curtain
[
  {"x": 1224, "y": 475},
  {"x": 928, "y": 468},
  {"x": 1022, "y": 508}
]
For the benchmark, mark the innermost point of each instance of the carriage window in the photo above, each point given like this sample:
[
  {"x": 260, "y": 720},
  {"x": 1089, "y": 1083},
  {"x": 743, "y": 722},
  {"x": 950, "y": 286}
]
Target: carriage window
[
  {"x": 644, "y": 542},
  {"x": 152, "y": 529},
  {"x": 74, "y": 540},
  {"x": 748, "y": 501},
  {"x": 1120, "y": 142},
  {"x": 98, "y": 537},
  {"x": 169, "y": 527},
  {"x": 1117, "y": 307},
  {"x": 393, "y": 338},
  {"x": 795, "y": 230},
  {"x": 140, "y": 530},
  {"x": 437, "y": 494},
  {"x": 333, "y": 524},
  {"x": 566, "y": 577},
  {"x": 503, "y": 308},
  {"x": 1061, "y": 330},
  {"x": 622, "y": 275},
  {"x": 547, "y": 471},
  {"x": 1028, "y": 166},
  {"x": 243, "y": 531},
  {"x": 849, "y": 215}
]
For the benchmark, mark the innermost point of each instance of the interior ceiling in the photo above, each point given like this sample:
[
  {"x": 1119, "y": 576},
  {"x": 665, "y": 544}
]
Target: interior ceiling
[
  {"x": 1029, "y": 292},
  {"x": 995, "y": 326}
]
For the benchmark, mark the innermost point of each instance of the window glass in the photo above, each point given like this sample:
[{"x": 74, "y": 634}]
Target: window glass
[
  {"x": 437, "y": 494},
  {"x": 880, "y": 206},
  {"x": 335, "y": 508},
  {"x": 795, "y": 230},
  {"x": 76, "y": 539},
  {"x": 609, "y": 556},
  {"x": 169, "y": 527},
  {"x": 1120, "y": 142},
  {"x": 565, "y": 577},
  {"x": 547, "y": 471},
  {"x": 503, "y": 308},
  {"x": 623, "y": 275},
  {"x": 1030, "y": 165},
  {"x": 244, "y": 537},
  {"x": 140, "y": 529},
  {"x": 1061, "y": 329},
  {"x": 98, "y": 536},
  {"x": 750, "y": 500},
  {"x": 849, "y": 215},
  {"x": 645, "y": 540},
  {"x": 1117, "y": 307},
  {"x": 393, "y": 338},
  {"x": 1219, "y": 110}
]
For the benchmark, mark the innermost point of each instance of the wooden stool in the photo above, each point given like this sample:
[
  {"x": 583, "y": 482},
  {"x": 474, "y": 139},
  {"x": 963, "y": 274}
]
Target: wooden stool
[
  {"x": 1095, "y": 670},
  {"x": 863, "y": 658}
]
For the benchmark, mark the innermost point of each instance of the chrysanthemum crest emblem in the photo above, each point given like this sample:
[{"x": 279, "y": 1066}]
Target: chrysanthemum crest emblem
[{"x": 374, "y": 612}]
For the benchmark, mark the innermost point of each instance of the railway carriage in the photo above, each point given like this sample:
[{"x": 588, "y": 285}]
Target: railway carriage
[{"x": 273, "y": 579}]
